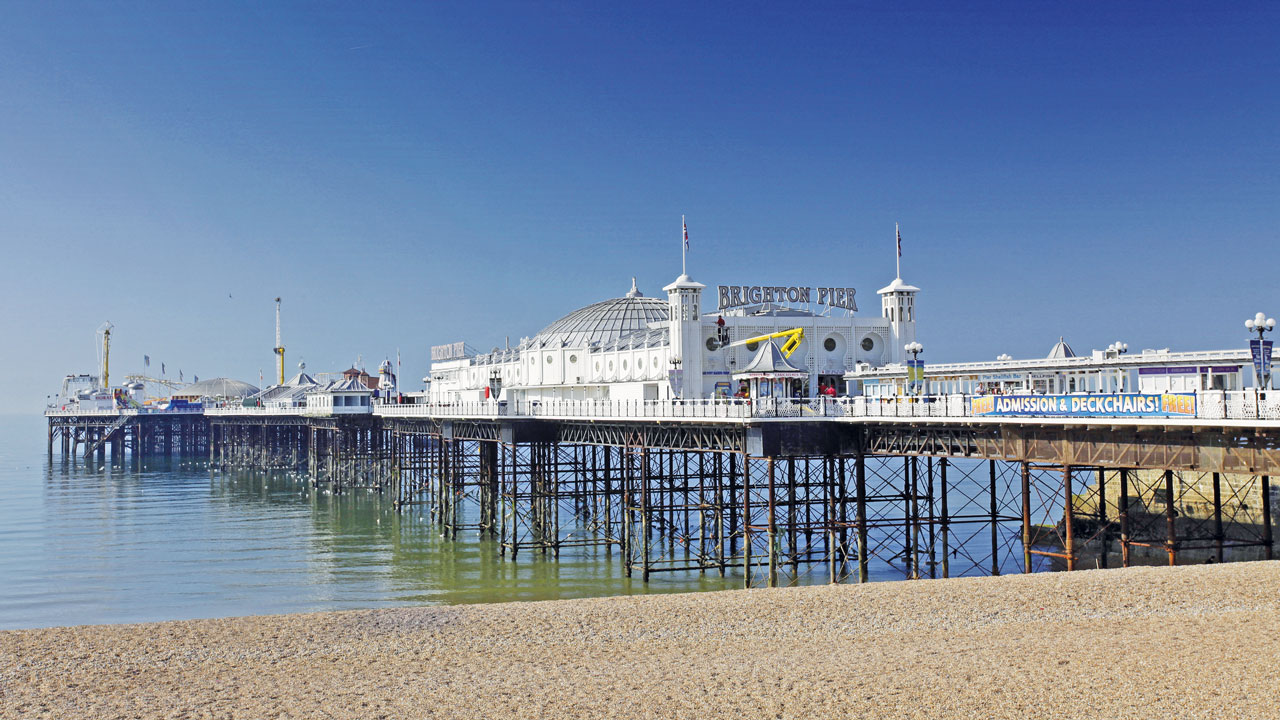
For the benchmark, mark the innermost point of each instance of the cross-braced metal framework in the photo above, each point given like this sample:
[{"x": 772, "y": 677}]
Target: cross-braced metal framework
[
  {"x": 1086, "y": 517},
  {"x": 128, "y": 437},
  {"x": 773, "y": 505},
  {"x": 551, "y": 498},
  {"x": 679, "y": 510},
  {"x": 257, "y": 445},
  {"x": 349, "y": 454}
]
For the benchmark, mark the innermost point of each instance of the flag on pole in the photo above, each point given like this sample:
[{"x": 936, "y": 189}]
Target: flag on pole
[
  {"x": 180, "y": 378},
  {"x": 686, "y": 233},
  {"x": 161, "y": 368},
  {"x": 146, "y": 361},
  {"x": 899, "y": 242},
  {"x": 195, "y": 378}
]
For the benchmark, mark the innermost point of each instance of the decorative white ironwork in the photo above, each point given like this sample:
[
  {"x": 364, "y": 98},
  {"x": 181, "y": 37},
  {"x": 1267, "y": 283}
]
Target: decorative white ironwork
[{"x": 1237, "y": 405}]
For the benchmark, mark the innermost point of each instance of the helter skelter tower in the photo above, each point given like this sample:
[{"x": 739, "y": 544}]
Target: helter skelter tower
[{"x": 279, "y": 349}]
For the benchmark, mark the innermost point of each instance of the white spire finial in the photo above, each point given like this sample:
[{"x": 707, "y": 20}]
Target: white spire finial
[{"x": 634, "y": 291}]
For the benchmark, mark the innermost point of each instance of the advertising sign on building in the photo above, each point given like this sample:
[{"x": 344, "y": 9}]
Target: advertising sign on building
[{"x": 1105, "y": 405}]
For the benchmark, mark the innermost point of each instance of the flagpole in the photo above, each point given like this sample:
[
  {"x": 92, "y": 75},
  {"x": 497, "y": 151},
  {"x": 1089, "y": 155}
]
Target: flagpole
[
  {"x": 683, "y": 245},
  {"x": 898, "y": 232}
]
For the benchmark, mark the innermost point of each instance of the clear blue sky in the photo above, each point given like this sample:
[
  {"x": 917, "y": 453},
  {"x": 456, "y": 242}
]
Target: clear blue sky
[{"x": 412, "y": 175}]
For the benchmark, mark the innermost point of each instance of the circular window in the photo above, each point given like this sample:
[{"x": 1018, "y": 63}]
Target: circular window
[
  {"x": 548, "y": 359},
  {"x": 597, "y": 366},
  {"x": 752, "y": 346},
  {"x": 640, "y": 364},
  {"x": 829, "y": 344},
  {"x": 867, "y": 344},
  {"x": 713, "y": 344},
  {"x": 573, "y": 358},
  {"x": 624, "y": 364},
  {"x": 610, "y": 366}
]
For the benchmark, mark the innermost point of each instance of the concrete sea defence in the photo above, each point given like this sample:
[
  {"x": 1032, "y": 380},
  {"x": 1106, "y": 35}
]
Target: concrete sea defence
[{"x": 1185, "y": 642}]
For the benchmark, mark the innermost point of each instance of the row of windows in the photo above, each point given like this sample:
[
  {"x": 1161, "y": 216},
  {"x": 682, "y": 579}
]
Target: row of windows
[
  {"x": 909, "y": 314},
  {"x": 713, "y": 344}
]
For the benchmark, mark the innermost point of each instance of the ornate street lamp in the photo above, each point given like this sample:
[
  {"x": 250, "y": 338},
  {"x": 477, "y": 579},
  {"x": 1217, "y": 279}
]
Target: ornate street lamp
[
  {"x": 915, "y": 348},
  {"x": 1260, "y": 324},
  {"x": 1115, "y": 350}
]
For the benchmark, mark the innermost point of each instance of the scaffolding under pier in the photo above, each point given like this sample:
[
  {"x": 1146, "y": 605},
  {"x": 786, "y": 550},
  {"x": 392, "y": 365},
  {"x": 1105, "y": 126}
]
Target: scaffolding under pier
[
  {"x": 121, "y": 436},
  {"x": 782, "y": 502}
]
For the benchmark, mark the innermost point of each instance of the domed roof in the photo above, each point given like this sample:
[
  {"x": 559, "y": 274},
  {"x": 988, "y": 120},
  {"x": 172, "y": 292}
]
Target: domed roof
[
  {"x": 219, "y": 387},
  {"x": 604, "y": 321},
  {"x": 1061, "y": 350}
]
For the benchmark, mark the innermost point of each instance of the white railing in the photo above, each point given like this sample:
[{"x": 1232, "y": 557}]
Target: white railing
[
  {"x": 1237, "y": 405},
  {"x": 575, "y": 408},
  {"x": 723, "y": 409},
  {"x": 483, "y": 409},
  {"x": 53, "y": 412},
  {"x": 233, "y": 410}
]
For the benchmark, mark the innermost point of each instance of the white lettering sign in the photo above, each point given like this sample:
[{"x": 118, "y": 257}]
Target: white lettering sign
[
  {"x": 448, "y": 352},
  {"x": 739, "y": 295}
]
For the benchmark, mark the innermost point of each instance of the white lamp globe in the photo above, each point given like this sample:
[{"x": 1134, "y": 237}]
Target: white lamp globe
[{"x": 1248, "y": 324}]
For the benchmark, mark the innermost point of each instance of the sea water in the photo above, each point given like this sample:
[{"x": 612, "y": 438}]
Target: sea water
[{"x": 86, "y": 542}]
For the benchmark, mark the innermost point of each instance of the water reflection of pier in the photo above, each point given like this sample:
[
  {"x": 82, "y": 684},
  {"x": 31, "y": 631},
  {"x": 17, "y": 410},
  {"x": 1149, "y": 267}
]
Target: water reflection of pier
[{"x": 774, "y": 502}]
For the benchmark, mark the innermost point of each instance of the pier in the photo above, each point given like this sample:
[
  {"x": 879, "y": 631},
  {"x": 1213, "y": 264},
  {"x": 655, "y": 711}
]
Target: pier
[{"x": 774, "y": 492}]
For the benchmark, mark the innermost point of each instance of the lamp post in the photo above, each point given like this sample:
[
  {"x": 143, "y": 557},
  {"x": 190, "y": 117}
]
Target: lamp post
[
  {"x": 1004, "y": 357},
  {"x": 1260, "y": 324},
  {"x": 914, "y": 349},
  {"x": 1115, "y": 350}
]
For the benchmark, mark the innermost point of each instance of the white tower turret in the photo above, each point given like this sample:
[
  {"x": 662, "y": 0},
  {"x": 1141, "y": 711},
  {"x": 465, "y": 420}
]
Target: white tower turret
[
  {"x": 684, "y": 302},
  {"x": 386, "y": 380},
  {"x": 898, "y": 306}
]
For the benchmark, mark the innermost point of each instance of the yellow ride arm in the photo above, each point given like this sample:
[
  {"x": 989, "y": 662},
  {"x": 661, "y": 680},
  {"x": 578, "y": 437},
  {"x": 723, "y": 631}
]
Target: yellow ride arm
[{"x": 794, "y": 336}]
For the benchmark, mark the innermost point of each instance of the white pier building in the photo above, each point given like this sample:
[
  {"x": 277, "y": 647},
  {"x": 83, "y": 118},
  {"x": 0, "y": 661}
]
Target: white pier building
[
  {"x": 688, "y": 346},
  {"x": 635, "y": 347}
]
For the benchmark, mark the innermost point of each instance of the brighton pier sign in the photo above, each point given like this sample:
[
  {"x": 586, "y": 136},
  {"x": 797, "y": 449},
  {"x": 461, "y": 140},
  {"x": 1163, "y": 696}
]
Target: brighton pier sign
[{"x": 738, "y": 295}]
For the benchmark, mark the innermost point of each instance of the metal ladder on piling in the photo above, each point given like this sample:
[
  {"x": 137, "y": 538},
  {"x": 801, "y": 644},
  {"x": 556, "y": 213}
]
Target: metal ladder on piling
[{"x": 111, "y": 430}]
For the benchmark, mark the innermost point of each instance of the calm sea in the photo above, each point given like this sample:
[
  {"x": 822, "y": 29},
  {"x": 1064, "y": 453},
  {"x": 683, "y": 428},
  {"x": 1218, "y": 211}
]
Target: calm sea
[{"x": 85, "y": 543}]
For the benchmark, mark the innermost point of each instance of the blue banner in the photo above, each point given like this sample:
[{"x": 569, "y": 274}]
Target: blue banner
[
  {"x": 1261, "y": 352},
  {"x": 1104, "y": 405}
]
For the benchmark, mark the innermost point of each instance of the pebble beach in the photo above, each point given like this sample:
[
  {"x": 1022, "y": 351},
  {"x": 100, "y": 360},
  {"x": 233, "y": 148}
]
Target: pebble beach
[{"x": 1185, "y": 642}]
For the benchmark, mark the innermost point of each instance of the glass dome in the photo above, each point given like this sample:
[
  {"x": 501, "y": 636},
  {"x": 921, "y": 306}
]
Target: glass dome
[{"x": 604, "y": 321}]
